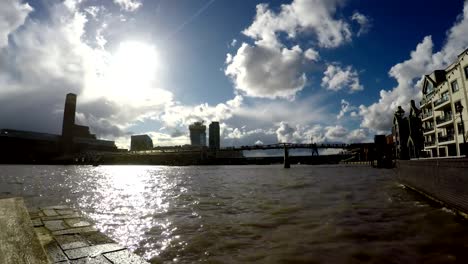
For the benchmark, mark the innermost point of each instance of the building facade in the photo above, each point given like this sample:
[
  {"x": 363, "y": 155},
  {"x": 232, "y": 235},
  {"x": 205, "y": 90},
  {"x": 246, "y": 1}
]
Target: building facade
[
  {"x": 141, "y": 142},
  {"x": 197, "y": 134},
  {"x": 214, "y": 137},
  {"x": 444, "y": 109}
]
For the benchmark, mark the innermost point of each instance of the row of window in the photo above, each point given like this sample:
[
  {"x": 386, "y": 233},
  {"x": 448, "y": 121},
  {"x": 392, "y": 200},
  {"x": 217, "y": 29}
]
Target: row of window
[{"x": 453, "y": 84}]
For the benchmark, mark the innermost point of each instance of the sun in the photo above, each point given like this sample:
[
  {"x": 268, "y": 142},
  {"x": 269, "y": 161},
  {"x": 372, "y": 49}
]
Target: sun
[{"x": 132, "y": 70}]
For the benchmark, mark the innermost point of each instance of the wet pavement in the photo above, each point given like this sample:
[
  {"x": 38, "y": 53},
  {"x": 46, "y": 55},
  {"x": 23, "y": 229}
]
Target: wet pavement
[{"x": 69, "y": 238}]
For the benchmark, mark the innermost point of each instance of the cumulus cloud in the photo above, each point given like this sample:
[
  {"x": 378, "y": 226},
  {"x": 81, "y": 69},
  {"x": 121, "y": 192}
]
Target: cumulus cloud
[
  {"x": 316, "y": 16},
  {"x": 409, "y": 75},
  {"x": 51, "y": 57},
  {"x": 178, "y": 115},
  {"x": 337, "y": 78},
  {"x": 269, "y": 72},
  {"x": 13, "y": 13},
  {"x": 269, "y": 68},
  {"x": 363, "y": 21},
  {"x": 346, "y": 107},
  {"x": 128, "y": 5},
  {"x": 319, "y": 134}
]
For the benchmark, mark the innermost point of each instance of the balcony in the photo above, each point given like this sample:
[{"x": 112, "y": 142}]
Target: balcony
[
  {"x": 429, "y": 143},
  {"x": 446, "y": 138},
  {"x": 440, "y": 101},
  {"x": 428, "y": 130},
  {"x": 427, "y": 115},
  {"x": 443, "y": 119}
]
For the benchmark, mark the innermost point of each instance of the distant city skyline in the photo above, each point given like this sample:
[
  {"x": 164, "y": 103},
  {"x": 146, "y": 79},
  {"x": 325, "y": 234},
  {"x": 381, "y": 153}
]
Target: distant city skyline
[{"x": 287, "y": 71}]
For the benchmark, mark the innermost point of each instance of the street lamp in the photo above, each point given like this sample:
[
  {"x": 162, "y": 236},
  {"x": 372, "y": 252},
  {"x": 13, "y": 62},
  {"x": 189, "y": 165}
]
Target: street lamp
[{"x": 459, "y": 109}]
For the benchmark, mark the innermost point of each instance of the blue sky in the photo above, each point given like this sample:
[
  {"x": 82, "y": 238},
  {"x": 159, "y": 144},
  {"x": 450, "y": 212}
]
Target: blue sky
[{"x": 268, "y": 71}]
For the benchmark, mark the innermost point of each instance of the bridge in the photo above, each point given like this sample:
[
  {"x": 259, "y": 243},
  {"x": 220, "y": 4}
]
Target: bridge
[
  {"x": 286, "y": 146},
  {"x": 96, "y": 157},
  {"x": 289, "y": 146}
]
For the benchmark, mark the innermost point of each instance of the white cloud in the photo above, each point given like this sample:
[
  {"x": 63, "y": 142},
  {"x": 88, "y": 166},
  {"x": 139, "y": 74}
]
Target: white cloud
[
  {"x": 177, "y": 115},
  {"x": 312, "y": 54},
  {"x": 337, "y": 78},
  {"x": 408, "y": 74},
  {"x": 346, "y": 107},
  {"x": 271, "y": 69},
  {"x": 363, "y": 21},
  {"x": 128, "y": 5},
  {"x": 318, "y": 134},
  {"x": 268, "y": 72},
  {"x": 285, "y": 133},
  {"x": 233, "y": 43},
  {"x": 315, "y": 16},
  {"x": 13, "y": 13}
]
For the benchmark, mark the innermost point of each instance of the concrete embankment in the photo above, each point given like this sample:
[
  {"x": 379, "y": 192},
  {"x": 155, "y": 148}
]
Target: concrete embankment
[
  {"x": 55, "y": 234},
  {"x": 443, "y": 180}
]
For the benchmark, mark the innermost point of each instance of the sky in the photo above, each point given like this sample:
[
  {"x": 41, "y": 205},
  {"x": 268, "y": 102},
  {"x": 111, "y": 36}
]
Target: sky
[{"x": 279, "y": 71}]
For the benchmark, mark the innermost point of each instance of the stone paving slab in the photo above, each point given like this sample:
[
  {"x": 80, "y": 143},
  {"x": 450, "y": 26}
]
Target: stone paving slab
[
  {"x": 64, "y": 212},
  {"x": 71, "y": 241},
  {"x": 124, "y": 256},
  {"x": 54, "y": 252},
  {"x": 54, "y": 225},
  {"x": 77, "y": 222},
  {"x": 74, "y": 231},
  {"x": 89, "y": 260},
  {"x": 92, "y": 251},
  {"x": 57, "y": 217},
  {"x": 49, "y": 212},
  {"x": 69, "y": 238}
]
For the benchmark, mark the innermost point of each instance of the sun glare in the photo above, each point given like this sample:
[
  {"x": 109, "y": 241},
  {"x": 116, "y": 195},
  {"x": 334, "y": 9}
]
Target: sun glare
[{"x": 132, "y": 70}]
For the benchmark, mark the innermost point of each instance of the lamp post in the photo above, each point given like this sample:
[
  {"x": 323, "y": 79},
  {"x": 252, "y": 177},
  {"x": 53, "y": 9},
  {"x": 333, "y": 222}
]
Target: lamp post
[{"x": 459, "y": 109}]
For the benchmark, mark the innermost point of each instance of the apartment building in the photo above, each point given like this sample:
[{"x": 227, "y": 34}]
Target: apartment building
[{"x": 444, "y": 106}]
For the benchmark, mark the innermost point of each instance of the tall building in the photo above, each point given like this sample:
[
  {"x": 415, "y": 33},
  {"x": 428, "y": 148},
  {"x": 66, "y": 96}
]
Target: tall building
[
  {"x": 68, "y": 122},
  {"x": 444, "y": 109},
  {"x": 76, "y": 138},
  {"x": 141, "y": 142},
  {"x": 213, "y": 136},
  {"x": 197, "y": 134}
]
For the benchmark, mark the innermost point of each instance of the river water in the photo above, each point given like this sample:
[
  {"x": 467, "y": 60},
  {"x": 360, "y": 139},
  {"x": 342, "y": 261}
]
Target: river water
[{"x": 251, "y": 214}]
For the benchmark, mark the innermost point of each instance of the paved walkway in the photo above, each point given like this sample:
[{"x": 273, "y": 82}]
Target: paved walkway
[
  {"x": 18, "y": 243},
  {"x": 69, "y": 238}
]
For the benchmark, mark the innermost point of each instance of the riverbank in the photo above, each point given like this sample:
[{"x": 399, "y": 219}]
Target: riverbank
[
  {"x": 55, "y": 234},
  {"x": 443, "y": 180}
]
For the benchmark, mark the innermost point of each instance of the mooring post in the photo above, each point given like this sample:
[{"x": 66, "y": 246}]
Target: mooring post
[{"x": 287, "y": 164}]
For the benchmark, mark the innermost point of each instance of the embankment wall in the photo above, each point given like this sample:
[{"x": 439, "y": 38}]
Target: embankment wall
[{"x": 445, "y": 180}]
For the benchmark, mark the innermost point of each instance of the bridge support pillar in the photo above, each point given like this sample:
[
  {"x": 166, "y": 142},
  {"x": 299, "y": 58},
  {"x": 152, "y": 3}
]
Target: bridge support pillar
[{"x": 287, "y": 164}]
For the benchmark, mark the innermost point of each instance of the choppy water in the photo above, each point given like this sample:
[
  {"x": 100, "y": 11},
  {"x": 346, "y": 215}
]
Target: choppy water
[{"x": 256, "y": 214}]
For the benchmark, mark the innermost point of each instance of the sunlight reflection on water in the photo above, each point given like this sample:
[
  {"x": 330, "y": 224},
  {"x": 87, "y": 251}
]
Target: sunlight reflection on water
[
  {"x": 248, "y": 214},
  {"x": 123, "y": 201}
]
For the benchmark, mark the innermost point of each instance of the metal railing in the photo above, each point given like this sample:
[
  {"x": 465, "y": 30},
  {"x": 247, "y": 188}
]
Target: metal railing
[
  {"x": 446, "y": 118},
  {"x": 428, "y": 114},
  {"x": 429, "y": 143},
  {"x": 428, "y": 129},
  {"x": 441, "y": 101},
  {"x": 446, "y": 138}
]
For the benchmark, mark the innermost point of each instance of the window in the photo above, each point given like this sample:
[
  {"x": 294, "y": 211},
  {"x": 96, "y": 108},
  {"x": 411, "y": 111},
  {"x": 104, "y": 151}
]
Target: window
[
  {"x": 460, "y": 128},
  {"x": 444, "y": 96},
  {"x": 466, "y": 72},
  {"x": 430, "y": 88},
  {"x": 454, "y": 85}
]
